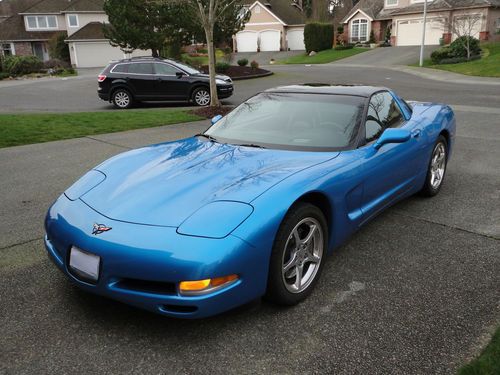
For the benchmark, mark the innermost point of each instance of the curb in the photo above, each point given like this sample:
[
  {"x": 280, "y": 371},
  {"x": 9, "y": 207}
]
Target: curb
[{"x": 241, "y": 78}]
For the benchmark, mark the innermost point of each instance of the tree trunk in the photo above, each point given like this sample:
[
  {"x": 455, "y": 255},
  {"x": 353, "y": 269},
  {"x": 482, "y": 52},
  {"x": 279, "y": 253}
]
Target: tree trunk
[
  {"x": 214, "y": 100},
  {"x": 154, "y": 52}
]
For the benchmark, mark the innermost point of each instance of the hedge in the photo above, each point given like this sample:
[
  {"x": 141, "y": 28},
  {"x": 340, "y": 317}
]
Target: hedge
[
  {"x": 318, "y": 36},
  {"x": 19, "y": 65}
]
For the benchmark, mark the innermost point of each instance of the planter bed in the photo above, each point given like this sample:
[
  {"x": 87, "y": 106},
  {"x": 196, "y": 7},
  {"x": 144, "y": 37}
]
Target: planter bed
[{"x": 237, "y": 72}]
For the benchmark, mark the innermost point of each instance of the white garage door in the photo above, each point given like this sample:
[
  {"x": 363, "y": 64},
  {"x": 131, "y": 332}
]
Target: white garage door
[
  {"x": 246, "y": 41},
  {"x": 295, "y": 39},
  {"x": 410, "y": 32},
  {"x": 270, "y": 40},
  {"x": 97, "y": 54}
]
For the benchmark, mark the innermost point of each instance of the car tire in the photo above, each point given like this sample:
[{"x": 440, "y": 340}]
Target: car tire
[
  {"x": 201, "y": 96},
  {"x": 122, "y": 99},
  {"x": 298, "y": 255},
  {"x": 436, "y": 169}
]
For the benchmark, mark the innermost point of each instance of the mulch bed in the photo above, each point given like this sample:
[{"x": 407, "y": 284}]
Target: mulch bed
[
  {"x": 242, "y": 72},
  {"x": 210, "y": 112}
]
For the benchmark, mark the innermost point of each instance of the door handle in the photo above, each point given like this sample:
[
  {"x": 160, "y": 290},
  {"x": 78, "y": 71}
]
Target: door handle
[{"x": 415, "y": 133}]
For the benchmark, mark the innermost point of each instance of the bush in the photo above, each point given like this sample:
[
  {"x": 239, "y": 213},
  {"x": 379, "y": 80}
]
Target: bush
[
  {"x": 440, "y": 54},
  {"x": 254, "y": 65},
  {"x": 4, "y": 75},
  {"x": 347, "y": 46},
  {"x": 458, "y": 46},
  {"x": 19, "y": 65},
  {"x": 456, "y": 60},
  {"x": 243, "y": 62},
  {"x": 318, "y": 36},
  {"x": 174, "y": 49},
  {"x": 221, "y": 67},
  {"x": 56, "y": 64},
  {"x": 58, "y": 49},
  {"x": 372, "y": 38}
]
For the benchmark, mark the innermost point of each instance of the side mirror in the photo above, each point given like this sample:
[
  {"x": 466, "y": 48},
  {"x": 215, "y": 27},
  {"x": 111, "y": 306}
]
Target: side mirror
[
  {"x": 215, "y": 119},
  {"x": 392, "y": 135},
  {"x": 179, "y": 74}
]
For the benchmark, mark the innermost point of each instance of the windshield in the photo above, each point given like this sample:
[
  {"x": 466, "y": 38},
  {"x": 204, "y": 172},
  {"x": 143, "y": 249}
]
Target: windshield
[
  {"x": 187, "y": 68},
  {"x": 292, "y": 121}
]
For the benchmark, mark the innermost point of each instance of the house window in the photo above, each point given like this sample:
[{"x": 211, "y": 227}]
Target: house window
[
  {"x": 497, "y": 26},
  {"x": 73, "y": 20},
  {"x": 257, "y": 9},
  {"x": 390, "y": 3},
  {"x": 359, "y": 30},
  {"x": 41, "y": 22},
  {"x": 8, "y": 49}
]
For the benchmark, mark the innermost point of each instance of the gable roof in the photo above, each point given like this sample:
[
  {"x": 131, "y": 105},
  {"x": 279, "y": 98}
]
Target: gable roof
[
  {"x": 62, "y": 6},
  {"x": 375, "y": 8},
  {"x": 281, "y": 9},
  {"x": 13, "y": 29},
  {"x": 10, "y": 8},
  {"x": 91, "y": 31}
]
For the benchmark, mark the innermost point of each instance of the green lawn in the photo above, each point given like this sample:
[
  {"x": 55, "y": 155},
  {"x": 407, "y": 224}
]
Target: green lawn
[
  {"x": 488, "y": 363},
  {"x": 24, "y": 129},
  {"x": 323, "y": 57},
  {"x": 487, "y": 66}
]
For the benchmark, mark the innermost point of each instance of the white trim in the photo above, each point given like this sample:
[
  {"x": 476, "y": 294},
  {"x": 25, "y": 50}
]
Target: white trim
[
  {"x": 368, "y": 30},
  {"x": 75, "y": 53},
  {"x": 262, "y": 23},
  {"x": 267, "y": 9},
  {"x": 86, "y": 40},
  {"x": 360, "y": 11},
  {"x": 68, "y": 20},
  {"x": 37, "y": 28}
]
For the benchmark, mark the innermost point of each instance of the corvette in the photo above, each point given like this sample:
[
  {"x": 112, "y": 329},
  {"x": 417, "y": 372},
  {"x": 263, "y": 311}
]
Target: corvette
[{"x": 252, "y": 206}]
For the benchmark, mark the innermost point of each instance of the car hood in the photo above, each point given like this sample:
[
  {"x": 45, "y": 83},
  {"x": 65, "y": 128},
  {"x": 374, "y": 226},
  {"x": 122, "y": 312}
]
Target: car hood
[
  {"x": 164, "y": 184},
  {"x": 218, "y": 76}
]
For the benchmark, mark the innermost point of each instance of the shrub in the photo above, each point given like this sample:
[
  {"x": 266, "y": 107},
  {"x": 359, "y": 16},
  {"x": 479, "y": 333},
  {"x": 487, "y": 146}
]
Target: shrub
[
  {"x": 456, "y": 60},
  {"x": 254, "y": 65},
  {"x": 221, "y": 67},
  {"x": 4, "y": 75},
  {"x": 318, "y": 36},
  {"x": 174, "y": 49},
  {"x": 440, "y": 54},
  {"x": 243, "y": 62},
  {"x": 372, "y": 38},
  {"x": 18, "y": 65},
  {"x": 347, "y": 46},
  {"x": 458, "y": 46},
  {"x": 387, "y": 36},
  {"x": 58, "y": 49},
  {"x": 340, "y": 29},
  {"x": 56, "y": 64}
]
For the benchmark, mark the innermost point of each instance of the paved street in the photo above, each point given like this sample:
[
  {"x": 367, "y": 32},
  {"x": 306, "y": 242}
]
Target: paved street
[{"x": 416, "y": 291}]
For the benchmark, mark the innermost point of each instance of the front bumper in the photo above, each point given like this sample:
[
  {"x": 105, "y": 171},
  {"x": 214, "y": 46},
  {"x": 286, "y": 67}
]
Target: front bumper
[
  {"x": 224, "y": 91},
  {"x": 142, "y": 265}
]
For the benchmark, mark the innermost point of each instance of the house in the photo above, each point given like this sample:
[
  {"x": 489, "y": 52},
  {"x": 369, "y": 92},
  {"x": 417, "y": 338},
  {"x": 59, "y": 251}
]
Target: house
[
  {"x": 28, "y": 31},
  {"x": 404, "y": 18},
  {"x": 274, "y": 25}
]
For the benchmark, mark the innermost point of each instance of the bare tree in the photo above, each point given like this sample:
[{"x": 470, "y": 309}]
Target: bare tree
[
  {"x": 464, "y": 25},
  {"x": 208, "y": 13}
]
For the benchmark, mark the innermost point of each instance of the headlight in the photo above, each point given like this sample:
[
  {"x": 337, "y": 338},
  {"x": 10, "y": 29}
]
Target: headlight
[
  {"x": 220, "y": 82},
  {"x": 216, "y": 220},
  {"x": 86, "y": 183}
]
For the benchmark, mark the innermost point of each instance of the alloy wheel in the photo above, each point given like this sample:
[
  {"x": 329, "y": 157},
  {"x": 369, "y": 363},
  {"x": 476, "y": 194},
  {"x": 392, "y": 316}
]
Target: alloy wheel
[
  {"x": 202, "y": 97},
  {"x": 122, "y": 99},
  {"x": 438, "y": 165}
]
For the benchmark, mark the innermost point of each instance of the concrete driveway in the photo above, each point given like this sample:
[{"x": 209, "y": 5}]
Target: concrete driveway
[
  {"x": 386, "y": 56},
  {"x": 413, "y": 292}
]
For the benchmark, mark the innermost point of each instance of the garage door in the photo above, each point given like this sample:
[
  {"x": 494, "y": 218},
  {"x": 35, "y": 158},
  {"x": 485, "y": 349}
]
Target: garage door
[
  {"x": 295, "y": 40},
  {"x": 410, "y": 32},
  {"x": 93, "y": 55},
  {"x": 246, "y": 41},
  {"x": 270, "y": 40}
]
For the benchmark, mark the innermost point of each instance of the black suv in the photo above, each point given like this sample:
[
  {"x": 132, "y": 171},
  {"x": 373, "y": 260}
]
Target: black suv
[{"x": 154, "y": 79}]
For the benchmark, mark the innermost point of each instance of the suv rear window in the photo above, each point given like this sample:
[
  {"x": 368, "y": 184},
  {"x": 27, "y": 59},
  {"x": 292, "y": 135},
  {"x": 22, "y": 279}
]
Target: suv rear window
[{"x": 141, "y": 68}]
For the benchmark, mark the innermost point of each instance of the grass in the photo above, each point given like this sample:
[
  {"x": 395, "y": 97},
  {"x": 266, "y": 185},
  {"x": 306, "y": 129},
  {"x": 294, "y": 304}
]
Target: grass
[
  {"x": 22, "y": 129},
  {"x": 323, "y": 57},
  {"x": 487, "y": 66},
  {"x": 488, "y": 362}
]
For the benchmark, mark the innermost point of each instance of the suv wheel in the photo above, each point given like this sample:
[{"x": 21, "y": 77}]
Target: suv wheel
[
  {"x": 122, "y": 99},
  {"x": 201, "y": 96}
]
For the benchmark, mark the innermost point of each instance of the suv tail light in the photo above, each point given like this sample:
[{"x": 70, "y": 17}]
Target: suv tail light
[{"x": 101, "y": 78}]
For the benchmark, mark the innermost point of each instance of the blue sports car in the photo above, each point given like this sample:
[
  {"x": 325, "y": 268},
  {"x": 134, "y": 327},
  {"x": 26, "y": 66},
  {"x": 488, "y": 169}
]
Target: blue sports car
[{"x": 252, "y": 206}]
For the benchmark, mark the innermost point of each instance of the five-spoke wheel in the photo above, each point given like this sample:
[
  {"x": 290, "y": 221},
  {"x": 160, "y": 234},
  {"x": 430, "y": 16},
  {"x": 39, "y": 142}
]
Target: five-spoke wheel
[
  {"x": 437, "y": 168},
  {"x": 297, "y": 256}
]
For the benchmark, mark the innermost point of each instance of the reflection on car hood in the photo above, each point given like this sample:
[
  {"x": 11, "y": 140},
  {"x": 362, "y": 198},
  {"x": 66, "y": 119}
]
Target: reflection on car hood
[
  {"x": 164, "y": 184},
  {"x": 218, "y": 76}
]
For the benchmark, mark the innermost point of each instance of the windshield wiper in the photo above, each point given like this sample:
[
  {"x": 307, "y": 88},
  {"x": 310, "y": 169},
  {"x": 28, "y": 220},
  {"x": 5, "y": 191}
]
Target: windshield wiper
[
  {"x": 251, "y": 145},
  {"x": 207, "y": 136}
]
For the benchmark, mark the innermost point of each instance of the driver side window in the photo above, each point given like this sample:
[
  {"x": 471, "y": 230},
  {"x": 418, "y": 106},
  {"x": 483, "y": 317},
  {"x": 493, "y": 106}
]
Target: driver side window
[{"x": 383, "y": 113}]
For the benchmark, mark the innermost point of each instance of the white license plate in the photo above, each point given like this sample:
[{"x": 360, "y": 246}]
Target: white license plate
[{"x": 86, "y": 264}]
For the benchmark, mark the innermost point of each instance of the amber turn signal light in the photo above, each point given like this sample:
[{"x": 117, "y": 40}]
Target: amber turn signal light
[{"x": 206, "y": 285}]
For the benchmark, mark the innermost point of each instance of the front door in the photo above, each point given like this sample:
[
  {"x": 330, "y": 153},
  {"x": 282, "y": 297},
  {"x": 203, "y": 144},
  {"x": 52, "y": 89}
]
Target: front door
[
  {"x": 40, "y": 50},
  {"x": 390, "y": 171},
  {"x": 169, "y": 84}
]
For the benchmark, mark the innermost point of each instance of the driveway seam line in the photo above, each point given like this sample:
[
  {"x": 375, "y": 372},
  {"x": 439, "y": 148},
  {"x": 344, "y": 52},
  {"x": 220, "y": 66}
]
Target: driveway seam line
[
  {"x": 20, "y": 243},
  {"x": 109, "y": 143},
  {"x": 400, "y": 213}
]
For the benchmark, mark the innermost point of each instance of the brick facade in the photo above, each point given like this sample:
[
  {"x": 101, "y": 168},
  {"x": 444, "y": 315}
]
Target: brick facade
[{"x": 23, "y": 48}]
